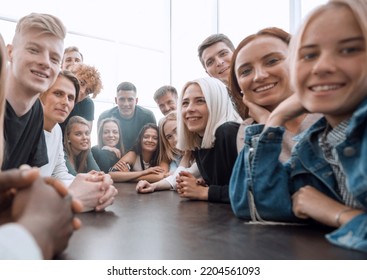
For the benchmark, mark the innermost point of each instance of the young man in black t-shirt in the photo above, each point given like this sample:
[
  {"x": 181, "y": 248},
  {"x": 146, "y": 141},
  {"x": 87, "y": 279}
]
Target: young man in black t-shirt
[{"x": 34, "y": 63}]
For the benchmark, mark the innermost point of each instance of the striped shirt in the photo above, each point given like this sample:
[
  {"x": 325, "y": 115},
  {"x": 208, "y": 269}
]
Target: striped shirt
[{"x": 328, "y": 141}]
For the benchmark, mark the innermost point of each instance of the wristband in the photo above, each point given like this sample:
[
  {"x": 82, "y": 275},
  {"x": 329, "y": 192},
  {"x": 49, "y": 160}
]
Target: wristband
[{"x": 340, "y": 213}]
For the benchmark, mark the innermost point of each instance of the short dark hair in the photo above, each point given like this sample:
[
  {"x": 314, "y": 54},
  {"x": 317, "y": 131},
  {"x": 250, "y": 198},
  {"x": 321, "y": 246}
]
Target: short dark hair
[
  {"x": 211, "y": 40},
  {"x": 126, "y": 86}
]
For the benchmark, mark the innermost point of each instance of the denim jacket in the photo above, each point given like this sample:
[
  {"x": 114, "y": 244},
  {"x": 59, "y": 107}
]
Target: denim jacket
[{"x": 261, "y": 187}]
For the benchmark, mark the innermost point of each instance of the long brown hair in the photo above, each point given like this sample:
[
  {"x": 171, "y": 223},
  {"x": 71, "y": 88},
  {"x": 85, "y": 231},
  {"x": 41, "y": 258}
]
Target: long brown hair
[
  {"x": 137, "y": 148},
  {"x": 80, "y": 161}
]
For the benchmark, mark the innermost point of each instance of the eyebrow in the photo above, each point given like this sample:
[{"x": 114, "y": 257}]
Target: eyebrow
[
  {"x": 195, "y": 97},
  {"x": 347, "y": 40},
  {"x": 263, "y": 57},
  {"x": 243, "y": 65},
  {"x": 218, "y": 52},
  {"x": 31, "y": 43},
  {"x": 40, "y": 46},
  {"x": 222, "y": 50}
]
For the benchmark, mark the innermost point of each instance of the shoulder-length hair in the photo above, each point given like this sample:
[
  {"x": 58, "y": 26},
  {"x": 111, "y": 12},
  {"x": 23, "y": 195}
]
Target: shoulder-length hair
[
  {"x": 166, "y": 152},
  {"x": 358, "y": 9},
  {"x": 81, "y": 160},
  {"x": 220, "y": 110},
  {"x": 120, "y": 144},
  {"x": 235, "y": 89},
  {"x": 137, "y": 148}
]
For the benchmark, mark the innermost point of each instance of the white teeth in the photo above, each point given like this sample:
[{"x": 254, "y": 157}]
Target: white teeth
[
  {"x": 222, "y": 71},
  {"x": 265, "y": 87},
  {"x": 39, "y": 74},
  {"x": 325, "y": 87}
]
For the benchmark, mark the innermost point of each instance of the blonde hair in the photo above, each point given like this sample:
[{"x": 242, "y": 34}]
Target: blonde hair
[
  {"x": 220, "y": 110},
  {"x": 359, "y": 10},
  {"x": 44, "y": 22},
  {"x": 166, "y": 152},
  {"x": 2, "y": 96}
]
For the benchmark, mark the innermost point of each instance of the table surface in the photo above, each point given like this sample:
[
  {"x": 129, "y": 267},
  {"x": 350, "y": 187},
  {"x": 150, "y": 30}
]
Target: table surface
[{"x": 161, "y": 225}]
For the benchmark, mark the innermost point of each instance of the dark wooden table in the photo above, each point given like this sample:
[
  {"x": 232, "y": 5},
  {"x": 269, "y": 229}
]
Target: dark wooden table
[{"x": 161, "y": 225}]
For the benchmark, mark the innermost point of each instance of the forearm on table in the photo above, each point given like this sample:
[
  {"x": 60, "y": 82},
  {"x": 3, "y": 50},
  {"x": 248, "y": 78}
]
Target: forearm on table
[
  {"x": 151, "y": 178},
  {"x": 121, "y": 176},
  {"x": 162, "y": 185}
]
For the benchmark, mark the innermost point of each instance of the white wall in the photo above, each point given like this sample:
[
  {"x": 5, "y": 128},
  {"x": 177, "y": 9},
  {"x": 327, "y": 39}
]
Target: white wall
[{"x": 150, "y": 42}]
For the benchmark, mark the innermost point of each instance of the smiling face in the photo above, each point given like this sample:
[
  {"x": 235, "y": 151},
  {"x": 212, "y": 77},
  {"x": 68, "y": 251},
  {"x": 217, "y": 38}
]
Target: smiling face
[
  {"x": 150, "y": 140},
  {"x": 58, "y": 102},
  {"x": 262, "y": 71},
  {"x": 79, "y": 138},
  {"x": 195, "y": 113},
  {"x": 217, "y": 61},
  {"x": 34, "y": 61},
  {"x": 126, "y": 100},
  {"x": 167, "y": 103},
  {"x": 110, "y": 134},
  {"x": 330, "y": 65}
]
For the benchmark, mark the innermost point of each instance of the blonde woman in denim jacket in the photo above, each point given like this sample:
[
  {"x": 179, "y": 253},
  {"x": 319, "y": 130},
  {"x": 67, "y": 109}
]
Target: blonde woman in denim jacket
[{"x": 325, "y": 179}]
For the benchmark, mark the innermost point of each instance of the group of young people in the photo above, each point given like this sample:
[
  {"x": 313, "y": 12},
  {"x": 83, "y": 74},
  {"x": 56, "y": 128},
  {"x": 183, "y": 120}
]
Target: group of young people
[
  {"x": 277, "y": 130},
  {"x": 37, "y": 211}
]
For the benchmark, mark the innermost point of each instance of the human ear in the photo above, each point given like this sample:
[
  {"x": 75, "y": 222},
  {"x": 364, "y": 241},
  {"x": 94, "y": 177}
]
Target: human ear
[{"x": 9, "y": 49}]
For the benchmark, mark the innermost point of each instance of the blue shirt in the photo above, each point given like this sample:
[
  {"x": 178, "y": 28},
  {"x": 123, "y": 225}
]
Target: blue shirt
[{"x": 260, "y": 180}]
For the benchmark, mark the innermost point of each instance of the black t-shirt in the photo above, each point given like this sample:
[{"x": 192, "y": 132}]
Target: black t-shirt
[
  {"x": 216, "y": 164},
  {"x": 84, "y": 108},
  {"x": 105, "y": 159},
  {"x": 24, "y": 138}
]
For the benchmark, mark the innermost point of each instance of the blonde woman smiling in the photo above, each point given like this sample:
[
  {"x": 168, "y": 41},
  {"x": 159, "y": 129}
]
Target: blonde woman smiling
[{"x": 208, "y": 126}]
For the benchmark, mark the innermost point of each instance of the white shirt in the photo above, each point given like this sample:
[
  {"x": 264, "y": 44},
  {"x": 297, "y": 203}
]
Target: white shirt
[
  {"x": 16, "y": 243},
  {"x": 193, "y": 169},
  {"x": 56, "y": 166}
]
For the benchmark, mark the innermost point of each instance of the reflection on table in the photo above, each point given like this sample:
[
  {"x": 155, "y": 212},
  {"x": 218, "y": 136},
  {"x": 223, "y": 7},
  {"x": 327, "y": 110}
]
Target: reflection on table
[{"x": 161, "y": 225}]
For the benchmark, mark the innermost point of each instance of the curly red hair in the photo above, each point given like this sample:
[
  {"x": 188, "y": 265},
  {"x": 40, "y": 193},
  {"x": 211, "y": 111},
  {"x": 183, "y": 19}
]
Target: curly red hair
[{"x": 90, "y": 75}]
